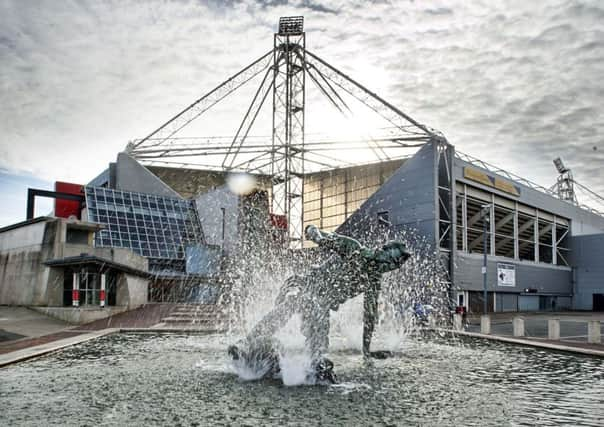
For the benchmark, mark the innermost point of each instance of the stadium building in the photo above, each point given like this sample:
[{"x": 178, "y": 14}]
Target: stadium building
[{"x": 543, "y": 253}]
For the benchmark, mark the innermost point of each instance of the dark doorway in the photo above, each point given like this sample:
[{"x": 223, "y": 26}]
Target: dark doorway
[
  {"x": 476, "y": 304},
  {"x": 598, "y": 302},
  {"x": 68, "y": 287},
  {"x": 111, "y": 288}
]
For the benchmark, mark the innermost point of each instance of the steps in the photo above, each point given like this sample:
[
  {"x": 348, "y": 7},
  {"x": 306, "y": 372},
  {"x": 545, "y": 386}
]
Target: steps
[{"x": 204, "y": 317}]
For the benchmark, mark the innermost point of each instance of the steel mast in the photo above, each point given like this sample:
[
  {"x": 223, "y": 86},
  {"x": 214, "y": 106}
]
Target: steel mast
[{"x": 287, "y": 156}]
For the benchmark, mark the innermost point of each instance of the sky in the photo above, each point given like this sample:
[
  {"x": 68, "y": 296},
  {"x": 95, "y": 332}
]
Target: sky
[{"x": 514, "y": 83}]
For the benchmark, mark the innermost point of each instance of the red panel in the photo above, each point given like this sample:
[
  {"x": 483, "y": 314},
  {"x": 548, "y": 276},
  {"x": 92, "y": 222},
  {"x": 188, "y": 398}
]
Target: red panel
[
  {"x": 75, "y": 295},
  {"x": 66, "y": 208},
  {"x": 102, "y": 295},
  {"x": 279, "y": 221}
]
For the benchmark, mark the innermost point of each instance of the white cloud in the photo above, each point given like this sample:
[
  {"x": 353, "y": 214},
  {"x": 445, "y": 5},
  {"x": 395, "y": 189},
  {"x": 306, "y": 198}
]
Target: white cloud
[{"x": 515, "y": 83}]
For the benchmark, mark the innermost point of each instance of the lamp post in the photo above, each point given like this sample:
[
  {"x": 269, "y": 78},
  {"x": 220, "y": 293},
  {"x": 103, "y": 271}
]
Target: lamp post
[{"x": 484, "y": 214}]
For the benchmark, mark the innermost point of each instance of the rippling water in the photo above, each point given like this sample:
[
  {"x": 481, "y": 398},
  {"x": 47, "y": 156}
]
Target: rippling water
[{"x": 145, "y": 379}]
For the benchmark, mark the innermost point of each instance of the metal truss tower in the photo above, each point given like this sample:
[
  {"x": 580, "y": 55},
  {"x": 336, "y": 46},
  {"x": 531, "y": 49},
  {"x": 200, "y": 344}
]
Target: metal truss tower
[
  {"x": 288, "y": 156},
  {"x": 287, "y": 168},
  {"x": 565, "y": 185}
]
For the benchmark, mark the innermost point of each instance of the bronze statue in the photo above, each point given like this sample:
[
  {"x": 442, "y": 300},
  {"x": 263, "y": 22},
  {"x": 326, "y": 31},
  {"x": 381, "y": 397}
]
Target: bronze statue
[{"x": 352, "y": 269}]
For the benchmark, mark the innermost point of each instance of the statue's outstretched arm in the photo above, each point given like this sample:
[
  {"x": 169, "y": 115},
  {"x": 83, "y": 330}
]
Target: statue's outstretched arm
[{"x": 343, "y": 245}]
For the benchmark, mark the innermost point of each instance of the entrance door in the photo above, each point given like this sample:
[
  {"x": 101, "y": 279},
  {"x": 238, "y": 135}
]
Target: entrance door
[
  {"x": 90, "y": 288},
  {"x": 598, "y": 302},
  {"x": 67, "y": 287}
]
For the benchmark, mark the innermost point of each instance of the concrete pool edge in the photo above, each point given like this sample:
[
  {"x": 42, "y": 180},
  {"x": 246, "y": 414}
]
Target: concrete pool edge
[
  {"x": 42, "y": 349},
  {"x": 532, "y": 343},
  {"x": 39, "y": 350}
]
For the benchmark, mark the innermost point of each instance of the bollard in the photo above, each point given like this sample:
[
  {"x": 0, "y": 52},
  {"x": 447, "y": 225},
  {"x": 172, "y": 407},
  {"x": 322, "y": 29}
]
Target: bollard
[
  {"x": 458, "y": 321},
  {"x": 594, "y": 334},
  {"x": 485, "y": 324},
  {"x": 553, "y": 329},
  {"x": 518, "y": 326}
]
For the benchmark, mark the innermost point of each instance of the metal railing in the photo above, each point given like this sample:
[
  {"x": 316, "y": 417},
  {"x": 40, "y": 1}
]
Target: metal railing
[{"x": 513, "y": 177}]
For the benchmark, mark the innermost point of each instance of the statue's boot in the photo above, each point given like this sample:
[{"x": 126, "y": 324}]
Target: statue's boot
[
  {"x": 324, "y": 373},
  {"x": 261, "y": 356},
  {"x": 381, "y": 354},
  {"x": 235, "y": 352}
]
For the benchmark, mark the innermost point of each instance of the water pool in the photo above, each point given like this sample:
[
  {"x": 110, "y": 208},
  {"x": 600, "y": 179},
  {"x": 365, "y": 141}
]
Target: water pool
[{"x": 179, "y": 379}]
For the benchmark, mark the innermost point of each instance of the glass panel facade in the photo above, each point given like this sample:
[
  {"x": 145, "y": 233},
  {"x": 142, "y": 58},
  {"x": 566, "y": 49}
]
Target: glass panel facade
[
  {"x": 517, "y": 231},
  {"x": 150, "y": 225}
]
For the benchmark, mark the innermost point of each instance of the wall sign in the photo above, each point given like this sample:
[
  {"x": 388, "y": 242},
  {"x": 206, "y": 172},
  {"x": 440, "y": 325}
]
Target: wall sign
[
  {"x": 506, "y": 274},
  {"x": 490, "y": 181}
]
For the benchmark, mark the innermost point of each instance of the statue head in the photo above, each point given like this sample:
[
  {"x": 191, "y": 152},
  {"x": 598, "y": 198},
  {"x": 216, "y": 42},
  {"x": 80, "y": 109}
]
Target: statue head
[{"x": 391, "y": 256}]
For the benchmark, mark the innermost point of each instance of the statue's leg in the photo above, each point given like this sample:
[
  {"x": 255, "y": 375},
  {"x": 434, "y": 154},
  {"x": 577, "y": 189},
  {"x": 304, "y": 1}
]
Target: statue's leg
[
  {"x": 258, "y": 348},
  {"x": 274, "y": 319},
  {"x": 287, "y": 303},
  {"x": 315, "y": 328}
]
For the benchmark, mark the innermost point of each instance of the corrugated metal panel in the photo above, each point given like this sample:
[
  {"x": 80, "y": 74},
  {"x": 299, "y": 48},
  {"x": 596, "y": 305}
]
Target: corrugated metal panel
[
  {"x": 408, "y": 197},
  {"x": 587, "y": 256},
  {"x": 546, "y": 279}
]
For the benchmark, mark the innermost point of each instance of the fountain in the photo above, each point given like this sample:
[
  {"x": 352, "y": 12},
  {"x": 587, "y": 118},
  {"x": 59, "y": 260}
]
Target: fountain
[
  {"x": 432, "y": 378},
  {"x": 350, "y": 270},
  {"x": 182, "y": 379}
]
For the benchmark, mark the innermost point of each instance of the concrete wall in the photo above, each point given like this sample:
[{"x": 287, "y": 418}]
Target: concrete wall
[
  {"x": 23, "y": 276},
  {"x": 587, "y": 255},
  {"x": 29, "y": 236},
  {"x": 118, "y": 255},
  {"x": 79, "y": 315},
  {"x": 137, "y": 291},
  {"x": 26, "y": 280},
  {"x": 132, "y": 176},
  {"x": 210, "y": 208},
  {"x": 190, "y": 183}
]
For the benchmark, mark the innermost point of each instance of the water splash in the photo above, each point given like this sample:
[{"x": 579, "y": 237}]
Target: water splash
[
  {"x": 296, "y": 367},
  {"x": 261, "y": 268}
]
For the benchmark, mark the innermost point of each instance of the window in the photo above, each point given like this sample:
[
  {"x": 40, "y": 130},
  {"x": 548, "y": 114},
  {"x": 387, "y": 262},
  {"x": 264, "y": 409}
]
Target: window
[
  {"x": 475, "y": 224},
  {"x": 562, "y": 250},
  {"x": 141, "y": 222},
  {"x": 460, "y": 230},
  {"x": 526, "y": 237},
  {"x": 76, "y": 237},
  {"x": 90, "y": 288},
  {"x": 383, "y": 218},
  {"x": 545, "y": 241},
  {"x": 504, "y": 231}
]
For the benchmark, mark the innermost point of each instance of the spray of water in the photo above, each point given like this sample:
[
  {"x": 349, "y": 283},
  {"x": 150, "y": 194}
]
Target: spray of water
[{"x": 256, "y": 274}]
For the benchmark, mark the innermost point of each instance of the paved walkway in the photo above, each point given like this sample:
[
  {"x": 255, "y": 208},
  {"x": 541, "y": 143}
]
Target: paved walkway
[
  {"x": 29, "y": 328},
  {"x": 566, "y": 346},
  {"x": 27, "y": 332},
  {"x": 24, "y": 322},
  {"x": 142, "y": 317},
  {"x": 573, "y": 326}
]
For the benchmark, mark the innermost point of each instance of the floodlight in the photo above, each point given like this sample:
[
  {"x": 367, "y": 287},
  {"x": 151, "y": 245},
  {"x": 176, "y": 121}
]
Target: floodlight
[
  {"x": 559, "y": 165},
  {"x": 291, "y": 25}
]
